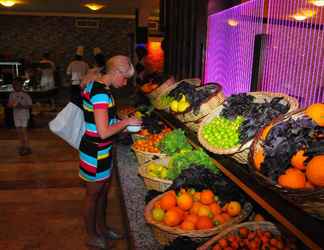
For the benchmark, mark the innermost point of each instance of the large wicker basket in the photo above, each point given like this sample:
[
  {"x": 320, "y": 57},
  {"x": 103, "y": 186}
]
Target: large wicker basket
[
  {"x": 166, "y": 90},
  {"x": 309, "y": 200},
  {"x": 240, "y": 152},
  {"x": 161, "y": 89},
  {"x": 262, "y": 225},
  {"x": 206, "y": 107},
  {"x": 152, "y": 183},
  {"x": 146, "y": 157},
  {"x": 165, "y": 234}
]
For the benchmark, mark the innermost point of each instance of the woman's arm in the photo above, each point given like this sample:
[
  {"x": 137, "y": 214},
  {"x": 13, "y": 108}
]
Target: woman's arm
[{"x": 105, "y": 130}]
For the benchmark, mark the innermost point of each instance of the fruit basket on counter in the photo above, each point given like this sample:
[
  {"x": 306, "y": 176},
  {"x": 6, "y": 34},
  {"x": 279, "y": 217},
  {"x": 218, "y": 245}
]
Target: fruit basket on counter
[
  {"x": 287, "y": 156},
  {"x": 154, "y": 174},
  {"x": 249, "y": 235},
  {"x": 230, "y": 128},
  {"x": 163, "y": 101},
  {"x": 205, "y": 99},
  {"x": 166, "y": 214}
]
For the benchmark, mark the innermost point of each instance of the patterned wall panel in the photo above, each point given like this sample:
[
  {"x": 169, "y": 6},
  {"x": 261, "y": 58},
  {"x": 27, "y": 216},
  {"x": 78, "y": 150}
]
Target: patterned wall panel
[{"x": 23, "y": 35}]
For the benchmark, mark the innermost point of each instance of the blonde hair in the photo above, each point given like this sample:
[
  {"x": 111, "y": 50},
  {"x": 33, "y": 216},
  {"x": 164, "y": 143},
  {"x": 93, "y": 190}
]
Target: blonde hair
[{"x": 121, "y": 64}]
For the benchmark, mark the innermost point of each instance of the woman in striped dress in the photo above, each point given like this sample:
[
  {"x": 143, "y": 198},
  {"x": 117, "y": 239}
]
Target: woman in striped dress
[{"x": 96, "y": 145}]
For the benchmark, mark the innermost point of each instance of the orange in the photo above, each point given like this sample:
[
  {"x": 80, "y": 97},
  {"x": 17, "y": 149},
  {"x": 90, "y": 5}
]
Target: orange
[
  {"x": 204, "y": 222},
  {"x": 207, "y": 197},
  {"x": 187, "y": 226},
  {"x": 184, "y": 201},
  {"x": 265, "y": 132},
  {"x": 195, "y": 208},
  {"x": 298, "y": 160},
  {"x": 309, "y": 185},
  {"x": 157, "y": 204},
  {"x": 226, "y": 217},
  {"x": 315, "y": 170},
  {"x": 167, "y": 201},
  {"x": 258, "y": 158},
  {"x": 234, "y": 208},
  {"x": 316, "y": 112},
  {"x": 215, "y": 208},
  {"x": 172, "y": 218},
  {"x": 293, "y": 178},
  {"x": 196, "y": 196},
  {"x": 204, "y": 211},
  {"x": 259, "y": 217},
  {"x": 218, "y": 219},
  {"x": 178, "y": 210},
  {"x": 192, "y": 217}
]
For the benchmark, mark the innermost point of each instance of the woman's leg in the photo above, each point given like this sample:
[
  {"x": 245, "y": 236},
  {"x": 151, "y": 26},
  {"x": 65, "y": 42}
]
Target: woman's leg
[
  {"x": 103, "y": 229},
  {"x": 93, "y": 190}
]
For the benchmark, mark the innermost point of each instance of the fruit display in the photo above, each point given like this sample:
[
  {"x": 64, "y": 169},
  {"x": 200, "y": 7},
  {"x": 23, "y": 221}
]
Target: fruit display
[
  {"x": 162, "y": 102},
  {"x": 255, "y": 238},
  {"x": 292, "y": 152},
  {"x": 222, "y": 132},
  {"x": 149, "y": 143},
  {"x": 157, "y": 170},
  {"x": 232, "y": 126},
  {"x": 174, "y": 142},
  {"x": 181, "y": 105},
  {"x": 192, "y": 210}
]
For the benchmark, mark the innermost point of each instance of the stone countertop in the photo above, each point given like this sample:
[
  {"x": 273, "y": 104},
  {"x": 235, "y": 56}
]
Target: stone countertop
[{"x": 134, "y": 192}]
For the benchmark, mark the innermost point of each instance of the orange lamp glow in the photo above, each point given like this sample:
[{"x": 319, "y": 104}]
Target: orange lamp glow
[{"x": 94, "y": 6}]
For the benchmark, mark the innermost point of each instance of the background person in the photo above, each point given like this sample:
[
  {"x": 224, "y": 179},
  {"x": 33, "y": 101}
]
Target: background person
[
  {"x": 96, "y": 145},
  {"x": 47, "y": 68},
  {"x": 77, "y": 69},
  {"x": 21, "y": 102}
]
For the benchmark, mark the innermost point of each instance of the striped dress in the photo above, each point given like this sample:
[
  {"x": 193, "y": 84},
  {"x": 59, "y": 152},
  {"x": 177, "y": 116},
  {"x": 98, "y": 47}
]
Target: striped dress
[{"x": 95, "y": 153}]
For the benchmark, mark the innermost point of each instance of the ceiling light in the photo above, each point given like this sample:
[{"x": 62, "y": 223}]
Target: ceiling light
[
  {"x": 232, "y": 22},
  {"x": 7, "y": 3},
  {"x": 94, "y": 6},
  {"x": 299, "y": 17},
  {"x": 318, "y": 3}
]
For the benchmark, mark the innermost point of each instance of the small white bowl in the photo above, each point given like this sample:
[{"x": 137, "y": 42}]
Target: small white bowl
[{"x": 134, "y": 128}]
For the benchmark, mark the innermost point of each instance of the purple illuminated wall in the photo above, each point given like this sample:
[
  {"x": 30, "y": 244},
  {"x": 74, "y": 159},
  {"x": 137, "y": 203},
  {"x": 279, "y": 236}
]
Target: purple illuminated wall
[
  {"x": 230, "y": 41},
  {"x": 294, "y": 53},
  {"x": 294, "y": 62}
]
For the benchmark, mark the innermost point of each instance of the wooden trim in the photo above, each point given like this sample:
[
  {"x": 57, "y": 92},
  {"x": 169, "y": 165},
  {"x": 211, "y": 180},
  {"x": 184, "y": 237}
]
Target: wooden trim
[{"x": 67, "y": 14}]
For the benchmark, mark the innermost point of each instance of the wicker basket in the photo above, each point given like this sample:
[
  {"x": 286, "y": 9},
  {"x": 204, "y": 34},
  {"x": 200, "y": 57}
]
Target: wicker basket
[
  {"x": 154, "y": 98},
  {"x": 309, "y": 200},
  {"x": 206, "y": 107},
  {"x": 240, "y": 153},
  {"x": 136, "y": 137},
  {"x": 146, "y": 157},
  {"x": 152, "y": 183},
  {"x": 263, "y": 225},
  {"x": 165, "y": 234},
  {"x": 161, "y": 89}
]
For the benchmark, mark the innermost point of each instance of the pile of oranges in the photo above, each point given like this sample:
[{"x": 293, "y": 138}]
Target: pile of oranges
[
  {"x": 148, "y": 144},
  {"x": 303, "y": 175},
  {"x": 191, "y": 210},
  {"x": 253, "y": 240}
]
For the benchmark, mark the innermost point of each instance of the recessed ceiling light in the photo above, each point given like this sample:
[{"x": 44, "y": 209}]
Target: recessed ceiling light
[
  {"x": 232, "y": 22},
  {"x": 318, "y": 3},
  {"x": 7, "y": 3},
  {"x": 299, "y": 17},
  {"x": 94, "y": 6}
]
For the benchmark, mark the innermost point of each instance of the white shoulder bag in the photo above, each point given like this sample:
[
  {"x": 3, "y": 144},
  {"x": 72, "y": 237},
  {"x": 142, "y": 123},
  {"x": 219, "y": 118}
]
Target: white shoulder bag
[{"x": 69, "y": 124}]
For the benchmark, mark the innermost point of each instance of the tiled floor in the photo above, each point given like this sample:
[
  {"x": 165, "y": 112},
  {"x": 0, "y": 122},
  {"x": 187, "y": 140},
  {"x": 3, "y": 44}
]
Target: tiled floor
[{"x": 41, "y": 196}]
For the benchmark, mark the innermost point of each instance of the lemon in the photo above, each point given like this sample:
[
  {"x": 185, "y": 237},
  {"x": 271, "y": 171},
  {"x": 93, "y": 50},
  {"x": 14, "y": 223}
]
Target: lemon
[
  {"x": 182, "y": 106},
  {"x": 174, "y": 106},
  {"x": 138, "y": 115},
  {"x": 158, "y": 214}
]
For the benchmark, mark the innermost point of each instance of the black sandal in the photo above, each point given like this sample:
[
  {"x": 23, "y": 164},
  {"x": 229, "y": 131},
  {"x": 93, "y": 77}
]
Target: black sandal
[{"x": 98, "y": 243}]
